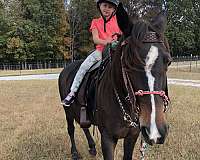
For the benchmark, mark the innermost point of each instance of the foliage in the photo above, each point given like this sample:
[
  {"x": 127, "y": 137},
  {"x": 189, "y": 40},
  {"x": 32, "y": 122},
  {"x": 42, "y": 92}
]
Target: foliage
[
  {"x": 183, "y": 21},
  {"x": 182, "y": 27},
  {"x": 43, "y": 29},
  {"x": 80, "y": 15},
  {"x": 36, "y": 30}
]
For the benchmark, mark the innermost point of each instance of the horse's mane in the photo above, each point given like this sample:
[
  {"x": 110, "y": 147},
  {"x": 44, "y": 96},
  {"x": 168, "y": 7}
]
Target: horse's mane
[{"x": 135, "y": 41}]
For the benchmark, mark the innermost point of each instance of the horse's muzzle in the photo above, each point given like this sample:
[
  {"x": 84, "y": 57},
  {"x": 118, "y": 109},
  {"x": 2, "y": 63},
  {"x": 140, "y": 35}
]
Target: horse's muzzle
[{"x": 160, "y": 139}]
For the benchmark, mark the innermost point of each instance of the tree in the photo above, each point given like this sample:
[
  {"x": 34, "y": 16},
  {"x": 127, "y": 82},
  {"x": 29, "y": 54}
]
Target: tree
[
  {"x": 43, "y": 29},
  {"x": 196, "y": 21},
  {"x": 183, "y": 21},
  {"x": 80, "y": 14},
  {"x": 49, "y": 17},
  {"x": 36, "y": 29},
  {"x": 180, "y": 27}
]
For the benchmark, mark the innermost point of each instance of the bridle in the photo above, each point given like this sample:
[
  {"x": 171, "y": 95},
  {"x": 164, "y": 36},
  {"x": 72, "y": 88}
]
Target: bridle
[{"x": 150, "y": 37}]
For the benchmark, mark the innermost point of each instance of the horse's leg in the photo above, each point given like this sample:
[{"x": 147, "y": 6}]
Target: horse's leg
[
  {"x": 71, "y": 129},
  {"x": 91, "y": 142},
  {"x": 129, "y": 143},
  {"x": 108, "y": 145}
]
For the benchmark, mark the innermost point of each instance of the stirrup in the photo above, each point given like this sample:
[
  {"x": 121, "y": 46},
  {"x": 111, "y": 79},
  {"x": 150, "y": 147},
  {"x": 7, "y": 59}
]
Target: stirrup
[{"x": 84, "y": 122}]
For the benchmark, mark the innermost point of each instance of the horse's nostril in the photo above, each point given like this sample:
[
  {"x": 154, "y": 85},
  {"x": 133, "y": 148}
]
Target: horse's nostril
[
  {"x": 145, "y": 131},
  {"x": 164, "y": 130},
  {"x": 160, "y": 140}
]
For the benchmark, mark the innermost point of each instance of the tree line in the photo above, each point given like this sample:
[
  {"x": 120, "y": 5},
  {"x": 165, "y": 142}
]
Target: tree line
[{"x": 57, "y": 29}]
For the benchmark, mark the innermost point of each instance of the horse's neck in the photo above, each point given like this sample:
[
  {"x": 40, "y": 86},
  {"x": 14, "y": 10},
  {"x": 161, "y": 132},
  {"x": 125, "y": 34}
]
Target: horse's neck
[{"x": 116, "y": 73}]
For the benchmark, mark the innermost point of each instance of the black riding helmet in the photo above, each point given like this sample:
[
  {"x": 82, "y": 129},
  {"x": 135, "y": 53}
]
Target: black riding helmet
[{"x": 114, "y": 2}]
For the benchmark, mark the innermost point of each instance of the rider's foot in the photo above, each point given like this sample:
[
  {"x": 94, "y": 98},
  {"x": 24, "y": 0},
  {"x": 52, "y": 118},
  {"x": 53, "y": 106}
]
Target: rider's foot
[{"x": 68, "y": 100}]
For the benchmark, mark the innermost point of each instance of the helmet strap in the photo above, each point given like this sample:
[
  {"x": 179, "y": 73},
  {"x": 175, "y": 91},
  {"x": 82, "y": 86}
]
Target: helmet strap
[{"x": 107, "y": 20}]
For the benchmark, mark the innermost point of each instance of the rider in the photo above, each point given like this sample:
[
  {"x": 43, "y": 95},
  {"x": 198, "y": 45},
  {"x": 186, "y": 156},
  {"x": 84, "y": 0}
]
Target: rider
[{"x": 102, "y": 30}]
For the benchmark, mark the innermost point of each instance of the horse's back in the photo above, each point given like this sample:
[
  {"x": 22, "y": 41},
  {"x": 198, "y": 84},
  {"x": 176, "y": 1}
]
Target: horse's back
[{"x": 66, "y": 78}]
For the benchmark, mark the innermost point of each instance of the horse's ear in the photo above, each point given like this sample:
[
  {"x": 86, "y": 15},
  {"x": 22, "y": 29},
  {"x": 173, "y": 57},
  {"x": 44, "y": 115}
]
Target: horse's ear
[
  {"x": 159, "y": 21},
  {"x": 123, "y": 20}
]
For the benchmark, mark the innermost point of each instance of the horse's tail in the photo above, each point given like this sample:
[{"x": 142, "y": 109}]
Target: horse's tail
[{"x": 61, "y": 84}]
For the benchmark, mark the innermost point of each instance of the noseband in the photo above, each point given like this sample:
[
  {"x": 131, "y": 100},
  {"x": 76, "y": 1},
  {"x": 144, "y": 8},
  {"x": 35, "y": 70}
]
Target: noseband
[
  {"x": 150, "y": 37},
  {"x": 160, "y": 93}
]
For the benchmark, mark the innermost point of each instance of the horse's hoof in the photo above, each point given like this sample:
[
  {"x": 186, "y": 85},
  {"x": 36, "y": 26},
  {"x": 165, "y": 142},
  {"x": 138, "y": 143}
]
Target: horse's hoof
[
  {"x": 93, "y": 151},
  {"x": 76, "y": 156}
]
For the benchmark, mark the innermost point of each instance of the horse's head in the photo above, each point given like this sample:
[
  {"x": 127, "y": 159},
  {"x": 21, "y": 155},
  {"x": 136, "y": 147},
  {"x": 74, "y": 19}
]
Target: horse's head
[{"x": 144, "y": 60}]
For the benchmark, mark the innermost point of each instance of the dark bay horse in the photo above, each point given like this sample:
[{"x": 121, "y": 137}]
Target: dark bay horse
[
  {"x": 130, "y": 95},
  {"x": 137, "y": 71}
]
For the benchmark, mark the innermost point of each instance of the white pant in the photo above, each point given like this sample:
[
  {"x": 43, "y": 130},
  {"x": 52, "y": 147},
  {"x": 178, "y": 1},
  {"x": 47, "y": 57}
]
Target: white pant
[{"x": 93, "y": 58}]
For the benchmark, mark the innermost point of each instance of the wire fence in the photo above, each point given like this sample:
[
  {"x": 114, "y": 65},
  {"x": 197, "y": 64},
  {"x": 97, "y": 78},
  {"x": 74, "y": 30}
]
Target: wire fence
[
  {"x": 186, "y": 58},
  {"x": 32, "y": 65},
  {"x": 185, "y": 63}
]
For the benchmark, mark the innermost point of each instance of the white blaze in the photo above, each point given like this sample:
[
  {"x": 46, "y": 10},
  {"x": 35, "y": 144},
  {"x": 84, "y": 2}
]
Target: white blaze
[{"x": 150, "y": 60}]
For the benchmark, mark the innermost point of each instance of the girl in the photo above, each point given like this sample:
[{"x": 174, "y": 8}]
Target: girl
[{"x": 102, "y": 30}]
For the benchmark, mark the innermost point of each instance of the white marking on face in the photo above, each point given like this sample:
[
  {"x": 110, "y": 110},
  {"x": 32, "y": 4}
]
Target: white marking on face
[{"x": 150, "y": 60}]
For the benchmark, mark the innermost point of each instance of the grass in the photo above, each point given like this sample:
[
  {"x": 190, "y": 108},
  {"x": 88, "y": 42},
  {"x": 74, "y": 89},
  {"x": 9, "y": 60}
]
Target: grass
[
  {"x": 182, "y": 74},
  {"x": 184, "y": 137},
  {"x": 33, "y": 125}
]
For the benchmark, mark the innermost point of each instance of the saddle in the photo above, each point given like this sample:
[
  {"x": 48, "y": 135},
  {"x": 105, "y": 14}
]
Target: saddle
[
  {"x": 87, "y": 90},
  {"x": 86, "y": 98}
]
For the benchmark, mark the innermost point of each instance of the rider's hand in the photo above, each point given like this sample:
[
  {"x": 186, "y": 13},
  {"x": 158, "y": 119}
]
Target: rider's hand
[{"x": 109, "y": 41}]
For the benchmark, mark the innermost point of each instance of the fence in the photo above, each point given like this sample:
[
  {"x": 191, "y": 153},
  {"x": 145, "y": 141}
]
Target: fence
[
  {"x": 188, "y": 63},
  {"x": 186, "y": 58},
  {"x": 31, "y": 65}
]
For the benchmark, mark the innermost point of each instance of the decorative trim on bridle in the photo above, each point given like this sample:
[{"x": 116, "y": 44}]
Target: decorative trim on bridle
[{"x": 150, "y": 37}]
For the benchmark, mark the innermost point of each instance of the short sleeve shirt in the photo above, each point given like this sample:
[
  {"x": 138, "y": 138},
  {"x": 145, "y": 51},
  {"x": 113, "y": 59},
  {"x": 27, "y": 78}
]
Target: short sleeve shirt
[{"x": 111, "y": 28}]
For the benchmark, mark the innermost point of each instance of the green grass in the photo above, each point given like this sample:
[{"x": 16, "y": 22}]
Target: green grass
[{"x": 33, "y": 125}]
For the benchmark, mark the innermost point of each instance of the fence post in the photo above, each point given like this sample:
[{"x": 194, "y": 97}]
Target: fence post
[
  {"x": 191, "y": 63},
  {"x": 57, "y": 63},
  {"x": 196, "y": 61},
  {"x": 20, "y": 68},
  {"x": 177, "y": 62},
  {"x": 45, "y": 64}
]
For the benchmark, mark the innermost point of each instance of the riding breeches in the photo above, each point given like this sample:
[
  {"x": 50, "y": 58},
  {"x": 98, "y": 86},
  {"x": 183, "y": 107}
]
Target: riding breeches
[{"x": 92, "y": 59}]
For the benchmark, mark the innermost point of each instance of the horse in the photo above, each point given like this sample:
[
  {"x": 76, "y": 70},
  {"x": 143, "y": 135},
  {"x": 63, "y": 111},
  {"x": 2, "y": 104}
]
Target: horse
[{"x": 131, "y": 96}]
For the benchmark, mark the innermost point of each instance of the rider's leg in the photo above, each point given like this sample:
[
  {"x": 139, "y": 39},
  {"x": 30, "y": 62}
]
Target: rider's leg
[{"x": 85, "y": 66}]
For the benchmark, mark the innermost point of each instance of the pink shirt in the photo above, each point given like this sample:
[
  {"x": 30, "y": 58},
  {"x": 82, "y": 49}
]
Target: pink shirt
[{"x": 111, "y": 28}]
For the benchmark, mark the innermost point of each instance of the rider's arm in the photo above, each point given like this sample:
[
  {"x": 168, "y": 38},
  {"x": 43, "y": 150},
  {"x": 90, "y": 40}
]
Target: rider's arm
[{"x": 97, "y": 40}]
